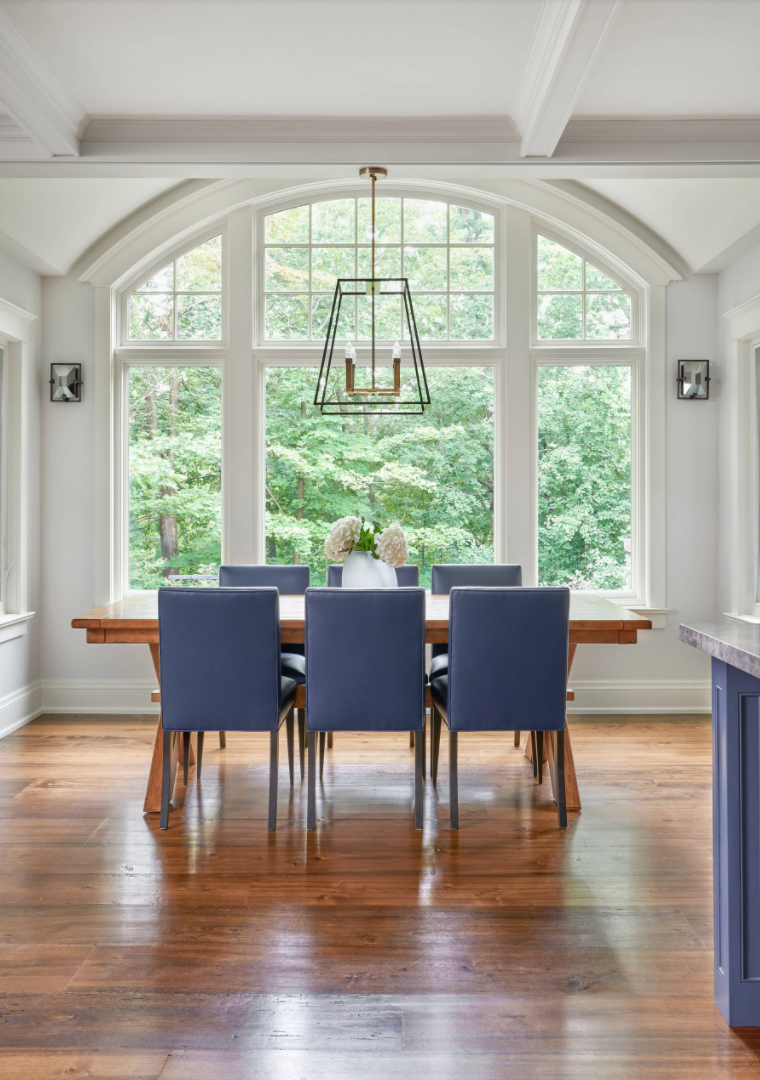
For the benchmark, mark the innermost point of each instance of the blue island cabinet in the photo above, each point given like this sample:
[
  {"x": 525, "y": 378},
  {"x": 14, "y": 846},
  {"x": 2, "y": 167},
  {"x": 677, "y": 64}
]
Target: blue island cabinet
[{"x": 736, "y": 843}]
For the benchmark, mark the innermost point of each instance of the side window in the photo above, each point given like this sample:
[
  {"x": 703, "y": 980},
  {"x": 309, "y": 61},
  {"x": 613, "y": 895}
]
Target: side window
[{"x": 182, "y": 301}]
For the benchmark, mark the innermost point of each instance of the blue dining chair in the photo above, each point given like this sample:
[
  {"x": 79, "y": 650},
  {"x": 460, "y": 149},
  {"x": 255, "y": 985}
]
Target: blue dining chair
[
  {"x": 408, "y": 575},
  {"x": 291, "y": 581},
  {"x": 365, "y": 654},
  {"x": 220, "y": 670},
  {"x": 508, "y": 652}
]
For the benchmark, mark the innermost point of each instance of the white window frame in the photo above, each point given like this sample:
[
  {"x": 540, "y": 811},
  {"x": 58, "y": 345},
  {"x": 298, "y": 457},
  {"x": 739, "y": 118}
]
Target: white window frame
[
  {"x": 153, "y": 267},
  {"x": 15, "y": 341},
  {"x": 384, "y": 190},
  {"x": 601, "y": 263}
]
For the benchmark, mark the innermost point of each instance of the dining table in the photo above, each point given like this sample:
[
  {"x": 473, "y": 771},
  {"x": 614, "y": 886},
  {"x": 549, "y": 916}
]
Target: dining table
[{"x": 594, "y": 620}]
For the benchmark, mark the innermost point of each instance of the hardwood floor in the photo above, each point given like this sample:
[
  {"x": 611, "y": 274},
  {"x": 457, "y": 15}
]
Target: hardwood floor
[{"x": 218, "y": 951}]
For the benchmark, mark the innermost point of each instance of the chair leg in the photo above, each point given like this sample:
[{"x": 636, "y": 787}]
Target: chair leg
[
  {"x": 517, "y": 738},
  {"x": 540, "y": 755},
  {"x": 289, "y": 732},
  {"x": 274, "y": 763},
  {"x": 166, "y": 780},
  {"x": 533, "y": 749},
  {"x": 311, "y": 811},
  {"x": 222, "y": 740},
  {"x": 329, "y": 740},
  {"x": 185, "y": 755},
  {"x": 321, "y": 754},
  {"x": 560, "y": 767},
  {"x": 199, "y": 755},
  {"x": 453, "y": 782},
  {"x": 411, "y": 740},
  {"x": 301, "y": 737},
  {"x": 419, "y": 761},
  {"x": 435, "y": 749}
]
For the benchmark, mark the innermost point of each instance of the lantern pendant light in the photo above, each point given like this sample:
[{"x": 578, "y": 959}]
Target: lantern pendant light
[{"x": 334, "y": 399}]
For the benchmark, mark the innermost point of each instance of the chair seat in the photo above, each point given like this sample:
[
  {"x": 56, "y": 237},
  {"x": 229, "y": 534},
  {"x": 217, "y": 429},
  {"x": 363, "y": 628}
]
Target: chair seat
[
  {"x": 293, "y": 666},
  {"x": 439, "y": 690},
  {"x": 439, "y": 665},
  {"x": 288, "y": 689}
]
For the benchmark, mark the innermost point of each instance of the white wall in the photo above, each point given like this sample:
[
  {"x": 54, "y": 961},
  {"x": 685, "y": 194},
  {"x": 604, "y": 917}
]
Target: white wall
[{"x": 20, "y": 657}]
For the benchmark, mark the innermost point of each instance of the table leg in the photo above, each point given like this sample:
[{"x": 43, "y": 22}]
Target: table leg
[
  {"x": 572, "y": 794},
  {"x": 152, "y": 804}
]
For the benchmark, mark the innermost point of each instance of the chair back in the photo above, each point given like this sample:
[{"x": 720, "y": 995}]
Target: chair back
[
  {"x": 365, "y": 658},
  {"x": 290, "y": 580},
  {"x": 220, "y": 659},
  {"x": 508, "y": 658},
  {"x": 446, "y": 575},
  {"x": 405, "y": 576}
]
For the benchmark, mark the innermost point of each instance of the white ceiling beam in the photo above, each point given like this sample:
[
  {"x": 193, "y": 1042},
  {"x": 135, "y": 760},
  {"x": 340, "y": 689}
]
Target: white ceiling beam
[
  {"x": 34, "y": 98},
  {"x": 568, "y": 37}
]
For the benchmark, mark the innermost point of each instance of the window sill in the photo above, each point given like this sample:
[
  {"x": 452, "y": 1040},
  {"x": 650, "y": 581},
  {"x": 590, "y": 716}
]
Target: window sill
[
  {"x": 657, "y": 616},
  {"x": 13, "y": 626}
]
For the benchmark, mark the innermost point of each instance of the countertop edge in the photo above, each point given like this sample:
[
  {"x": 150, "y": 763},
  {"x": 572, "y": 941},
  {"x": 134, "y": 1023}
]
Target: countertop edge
[{"x": 711, "y": 642}]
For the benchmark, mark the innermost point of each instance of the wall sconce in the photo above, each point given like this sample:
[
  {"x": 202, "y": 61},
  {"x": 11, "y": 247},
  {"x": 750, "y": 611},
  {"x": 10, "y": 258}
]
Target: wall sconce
[
  {"x": 65, "y": 382},
  {"x": 693, "y": 380}
]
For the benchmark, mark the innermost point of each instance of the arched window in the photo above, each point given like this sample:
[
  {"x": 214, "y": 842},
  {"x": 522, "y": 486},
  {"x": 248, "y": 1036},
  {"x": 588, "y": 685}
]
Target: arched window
[
  {"x": 445, "y": 249},
  {"x": 575, "y": 300},
  {"x": 181, "y": 300}
]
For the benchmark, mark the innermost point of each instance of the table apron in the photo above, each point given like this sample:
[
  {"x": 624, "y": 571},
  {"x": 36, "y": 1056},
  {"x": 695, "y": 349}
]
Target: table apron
[{"x": 131, "y": 636}]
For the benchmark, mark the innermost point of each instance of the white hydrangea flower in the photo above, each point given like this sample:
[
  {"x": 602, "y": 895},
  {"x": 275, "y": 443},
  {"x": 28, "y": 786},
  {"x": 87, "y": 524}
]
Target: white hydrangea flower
[
  {"x": 343, "y": 535},
  {"x": 392, "y": 547}
]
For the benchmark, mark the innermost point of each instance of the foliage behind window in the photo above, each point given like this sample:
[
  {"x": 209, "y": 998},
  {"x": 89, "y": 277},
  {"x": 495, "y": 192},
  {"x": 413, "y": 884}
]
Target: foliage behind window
[
  {"x": 175, "y": 473},
  {"x": 576, "y": 300},
  {"x": 183, "y": 300},
  {"x": 446, "y": 251},
  {"x": 432, "y": 473},
  {"x": 584, "y": 476}
]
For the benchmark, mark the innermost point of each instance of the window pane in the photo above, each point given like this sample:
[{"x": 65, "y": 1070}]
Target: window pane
[
  {"x": 424, "y": 221},
  {"x": 387, "y": 221},
  {"x": 151, "y": 317},
  {"x": 425, "y": 267},
  {"x": 328, "y": 264},
  {"x": 584, "y": 477},
  {"x": 560, "y": 317},
  {"x": 334, "y": 222},
  {"x": 288, "y": 227},
  {"x": 175, "y": 473},
  {"x": 287, "y": 317},
  {"x": 199, "y": 317},
  {"x": 558, "y": 268},
  {"x": 608, "y": 315},
  {"x": 469, "y": 226},
  {"x": 287, "y": 268},
  {"x": 471, "y": 318},
  {"x": 595, "y": 279},
  {"x": 387, "y": 262},
  {"x": 161, "y": 281},
  {"x": 471, "y": 268},
  {"x": 387, "y": 317},
  {"x": 320, "y": 317},
  {"x": 430, "y": 313},
  {"x": 431, "y": 473},
  {"x": 200, "y": 270}
]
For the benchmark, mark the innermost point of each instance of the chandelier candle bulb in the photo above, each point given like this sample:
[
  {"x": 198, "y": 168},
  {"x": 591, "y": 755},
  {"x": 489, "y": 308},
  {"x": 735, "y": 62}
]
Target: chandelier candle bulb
[
  {"x": 396, "y": 369},
  {"x": 350, "y": 367}
]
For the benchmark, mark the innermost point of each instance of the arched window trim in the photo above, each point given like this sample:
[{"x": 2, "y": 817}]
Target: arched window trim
[
  {"x": 144, "y": 270},
  {"x": 327, "y": 193}
]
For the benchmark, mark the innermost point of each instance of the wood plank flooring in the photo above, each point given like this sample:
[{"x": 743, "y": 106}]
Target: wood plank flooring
[{"x": 219, "y": 951}]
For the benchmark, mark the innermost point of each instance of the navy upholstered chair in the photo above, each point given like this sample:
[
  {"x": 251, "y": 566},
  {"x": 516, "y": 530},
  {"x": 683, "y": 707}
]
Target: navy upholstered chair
[
  {"x": 220, "y": 670},
  {"x": 365, "y": 654},
  {"x": 507, "y": 670},
  {"x": 405, "y": 575},
  {"x": 290, "y": 581}
]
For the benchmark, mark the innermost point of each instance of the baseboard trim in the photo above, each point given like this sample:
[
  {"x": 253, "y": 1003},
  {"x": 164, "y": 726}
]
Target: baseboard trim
[
  {"x": 116, "y": 696},
  {"x": 20, "y": 707}
]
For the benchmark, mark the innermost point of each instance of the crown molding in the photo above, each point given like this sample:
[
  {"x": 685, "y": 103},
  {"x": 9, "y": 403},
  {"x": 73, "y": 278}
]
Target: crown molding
[
  {"x": 34, "y": 98},
  {"x": 566, "y": 42}
]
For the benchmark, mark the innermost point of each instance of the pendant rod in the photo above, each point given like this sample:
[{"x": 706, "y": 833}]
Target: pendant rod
[{"x": 374, "y": 180}]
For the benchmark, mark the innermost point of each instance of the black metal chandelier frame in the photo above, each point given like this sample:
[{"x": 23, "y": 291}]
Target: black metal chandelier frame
[{"x": 359, "y": 398}]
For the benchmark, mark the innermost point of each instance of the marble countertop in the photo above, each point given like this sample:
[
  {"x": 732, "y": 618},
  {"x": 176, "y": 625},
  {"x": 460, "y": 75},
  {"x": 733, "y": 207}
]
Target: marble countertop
[{"x": 736, "y": 643}]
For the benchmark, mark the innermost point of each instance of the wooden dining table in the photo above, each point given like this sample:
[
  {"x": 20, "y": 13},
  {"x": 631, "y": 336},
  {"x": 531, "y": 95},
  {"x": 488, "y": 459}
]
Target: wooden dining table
[{"x": 134, "y": 621}]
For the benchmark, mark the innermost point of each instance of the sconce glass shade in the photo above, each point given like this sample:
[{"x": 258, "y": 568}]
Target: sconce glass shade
[{"x": 693, "y": 380}]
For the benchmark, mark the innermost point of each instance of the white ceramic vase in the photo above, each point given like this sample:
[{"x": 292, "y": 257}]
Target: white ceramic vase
[{"x": 362, "y": 570}]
